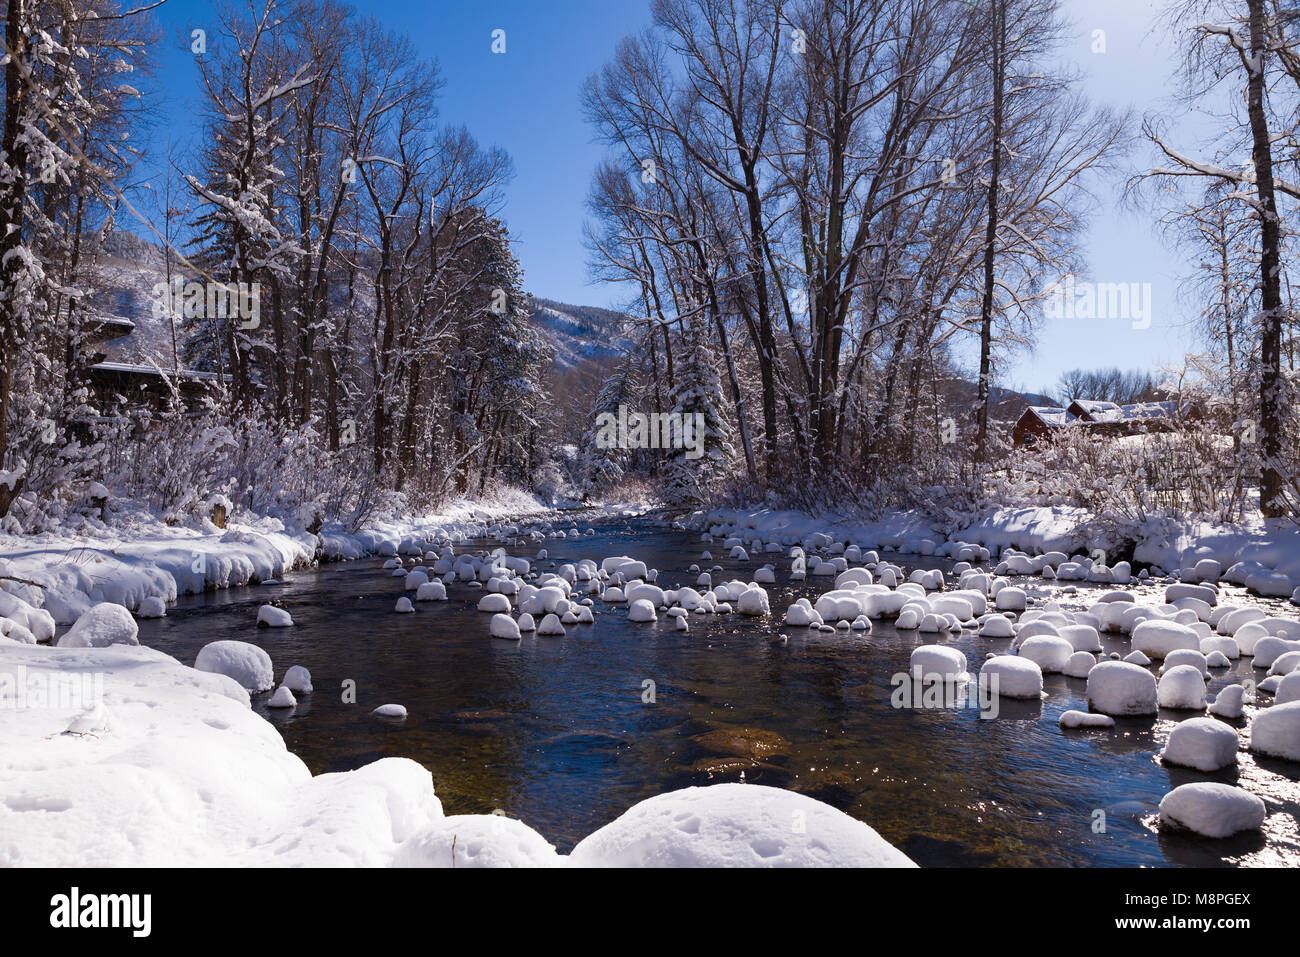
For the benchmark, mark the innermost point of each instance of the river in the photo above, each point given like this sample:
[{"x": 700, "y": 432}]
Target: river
[{"x": 557, "y": 731}]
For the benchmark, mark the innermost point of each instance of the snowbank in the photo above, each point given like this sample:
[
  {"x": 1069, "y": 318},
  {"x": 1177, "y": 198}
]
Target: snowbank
[
  {"x": 147, "y": 559},
  {"x": 1262, "y": 556}
]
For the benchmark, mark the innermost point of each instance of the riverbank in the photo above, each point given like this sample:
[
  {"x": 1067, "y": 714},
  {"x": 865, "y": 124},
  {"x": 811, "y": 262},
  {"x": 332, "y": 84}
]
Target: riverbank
[
  {"x": 138, "y": 556},
  {"x": 1261, "y": 556}
]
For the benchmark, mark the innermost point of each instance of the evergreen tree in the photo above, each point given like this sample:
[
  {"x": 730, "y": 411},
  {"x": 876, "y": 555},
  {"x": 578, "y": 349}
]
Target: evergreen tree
[{"x": 690, "y": 476}]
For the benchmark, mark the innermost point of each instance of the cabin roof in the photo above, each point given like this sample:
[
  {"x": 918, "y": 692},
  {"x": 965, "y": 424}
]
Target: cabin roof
[
  {"x": 1050, "y": 415},
  {"x": 129, "y": 369}
]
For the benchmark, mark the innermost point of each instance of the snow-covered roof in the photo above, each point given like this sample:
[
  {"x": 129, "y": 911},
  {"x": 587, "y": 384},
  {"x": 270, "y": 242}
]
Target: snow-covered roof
[
  {"x": 1151, "y": 410},
  {"x": 1051, "y": 415},
  {"x": 153, "y": 370},
  {"x": 1097, "y": 411},
  {"x": 110, "y": 327}
]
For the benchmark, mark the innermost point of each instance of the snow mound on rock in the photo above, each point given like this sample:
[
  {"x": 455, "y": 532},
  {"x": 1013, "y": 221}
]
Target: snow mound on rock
[
  {"x": 152, "y": 607},
  {"x": 503, "y": 626},
  {"x": 103, "y": 625},
  {"x": 938, "y": 662},
  {"x": 478, "y": 841},
  {"x": 1182, "y": 687},
  {"x": 1212, "y": 809},
  {"x": 1201, "y": 743},
  {"x": 736, "y": 825},
  {"x": 1082, "y": 719},
  {"x": 248, "y": 665},
  {"x": 1156, "y": 637},
  {"x": 269, "y": 616},
  {"x": 1276, "y": 731},
  {"x": 1012, "y": 676},
  {"x": 1122, "y": 689}
]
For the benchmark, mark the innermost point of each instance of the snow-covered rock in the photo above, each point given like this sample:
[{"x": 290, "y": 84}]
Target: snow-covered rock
[
  {"x": 1205, "y": 744},
  {"x": 298, "y": 680},
  {"x": 494, "y": 603},
  {"x": 800, "y": 614},
  {"x": 477, "y": 841},
  {"x": 1288, "y": 689},
  {"x": 641, "y": 610},
  {"x": 1080, "y": 663},
  {"x": 36, "y": 622},
  {"x": 283, "y": 698},
  {"x": 152, "y": 607},
  {"x": 996, "y": 626},
  {"x": 1012, "y": 676},
  {"x": 1183, "y": 688},
  {"x": 1276, "y": 731},
  {"x": 1229, "y": 703},
  {"x": 551, "y": 625},
  {"x": 938, "y": 662},
  {"x": 269, "y": 616},
  {"x": 1082, "y": 637},
  {"x": 503, "y": 626},
  {"x": 431, "y": 591},
  {"x": 1285, "y": 664},
  {"x": 1155, "y": 638},
  {"x": 103, "y": 625},
  {"x": 1270, "y": 649},
  {"x": 1083, "y": 719},
  {"x": 247, "y": 664},
  {"x": 1186, "y": 656},
  {"x": 1122, "y": 689},
  {"x": 735, "y": 825},
  {"x": 1010, "y": 599},
  {"x": 753, "y": 601},
  {"x": 1212, "y": 809},
  {"x": 1050, "y": 653}
]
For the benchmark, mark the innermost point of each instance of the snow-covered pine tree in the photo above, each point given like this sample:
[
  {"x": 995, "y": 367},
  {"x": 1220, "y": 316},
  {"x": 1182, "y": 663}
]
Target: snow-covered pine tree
[
  {"x": 604, "y": 463},
  {"x": 510, "y": 357},
  {"x": 689, "y": 477},
  {"x": 247, "y": 81}
]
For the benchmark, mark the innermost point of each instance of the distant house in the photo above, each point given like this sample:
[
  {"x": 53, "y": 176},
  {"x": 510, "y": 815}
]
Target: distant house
[
  {"x": 1038, "y": 422},
  {"x": 1107, "y": 418},
  {"x": 139, "y": 386}
]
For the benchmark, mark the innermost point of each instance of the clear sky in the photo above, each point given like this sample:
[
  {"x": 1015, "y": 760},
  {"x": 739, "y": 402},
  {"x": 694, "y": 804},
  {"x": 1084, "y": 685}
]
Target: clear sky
[{"x": 527, "y": 101}]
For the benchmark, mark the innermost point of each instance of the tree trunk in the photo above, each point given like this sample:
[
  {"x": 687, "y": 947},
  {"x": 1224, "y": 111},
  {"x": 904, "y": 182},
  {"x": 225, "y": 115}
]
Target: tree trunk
[
  {"x": 984, "y": 396},
  {"x": 12, "y": 195},
  {"x": 1272, "y": 412}
]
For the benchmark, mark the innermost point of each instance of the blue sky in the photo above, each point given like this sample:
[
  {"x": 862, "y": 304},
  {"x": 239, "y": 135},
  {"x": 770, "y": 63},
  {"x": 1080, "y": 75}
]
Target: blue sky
[{"x": 527, "y": 101}]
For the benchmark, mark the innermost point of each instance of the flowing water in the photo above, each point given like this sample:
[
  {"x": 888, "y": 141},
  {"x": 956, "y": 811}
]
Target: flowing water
[{"x": 556, "y": 731}]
